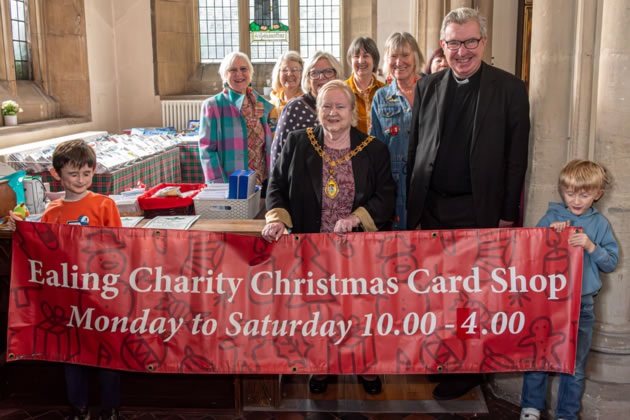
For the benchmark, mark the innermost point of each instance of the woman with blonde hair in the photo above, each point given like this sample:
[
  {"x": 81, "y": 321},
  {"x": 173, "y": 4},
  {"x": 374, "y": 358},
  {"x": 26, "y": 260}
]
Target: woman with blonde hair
[
  {"x": 300, "y": 112},
  {"x": 391, "y": 110},
  {"x": 286, "y": 84}
]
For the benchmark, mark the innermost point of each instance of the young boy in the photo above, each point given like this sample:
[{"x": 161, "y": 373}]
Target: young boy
[
  {"x": 581, "y": 183},
  {"x": 74, "y": 162}
]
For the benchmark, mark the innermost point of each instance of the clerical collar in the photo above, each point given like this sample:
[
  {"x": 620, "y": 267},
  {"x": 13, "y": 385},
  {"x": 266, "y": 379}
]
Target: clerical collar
[{"x": 472, "y": 78}]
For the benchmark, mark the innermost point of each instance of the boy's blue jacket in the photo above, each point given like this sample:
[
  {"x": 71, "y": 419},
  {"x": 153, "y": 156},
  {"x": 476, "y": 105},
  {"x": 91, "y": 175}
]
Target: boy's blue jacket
[{"x": 598, "y": 229}]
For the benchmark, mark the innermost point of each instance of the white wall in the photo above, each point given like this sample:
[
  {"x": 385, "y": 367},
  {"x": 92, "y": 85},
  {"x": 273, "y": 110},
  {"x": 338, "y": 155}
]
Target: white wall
[
  {"x": 138, "y": 106},
  {"x": 120, "y": 62},
  {"x": 392, "y": 16}
]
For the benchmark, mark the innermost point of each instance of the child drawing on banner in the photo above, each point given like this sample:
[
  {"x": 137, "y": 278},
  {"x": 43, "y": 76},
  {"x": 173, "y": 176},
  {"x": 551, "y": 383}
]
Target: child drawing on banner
[
  {"x": 74, "y": 162},
  {"x": 581, "y": 183}
]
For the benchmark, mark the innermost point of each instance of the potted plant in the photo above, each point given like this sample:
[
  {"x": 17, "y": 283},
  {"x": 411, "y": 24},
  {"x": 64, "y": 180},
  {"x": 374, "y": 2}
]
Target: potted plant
[{"x": 10, "y": 110}]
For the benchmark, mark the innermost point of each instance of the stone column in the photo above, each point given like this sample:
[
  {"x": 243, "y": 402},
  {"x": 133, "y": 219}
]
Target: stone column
[
  {"x": 486, "y": 7},
  {"x": 430, "y": 16},
  {"x": 551, "y": 65},
  {"x": 579, "y": 108},
  {"x": 609, "y": 366},
  {"x": 455, "y": 4}
]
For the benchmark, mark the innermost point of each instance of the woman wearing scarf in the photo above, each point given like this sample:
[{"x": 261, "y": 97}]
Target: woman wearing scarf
[{"x": 233, "y": 132}]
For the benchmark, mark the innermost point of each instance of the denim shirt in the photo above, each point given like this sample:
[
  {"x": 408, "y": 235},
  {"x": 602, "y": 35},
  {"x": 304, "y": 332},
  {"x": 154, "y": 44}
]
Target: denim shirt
[{"x": 391, "y": 123}]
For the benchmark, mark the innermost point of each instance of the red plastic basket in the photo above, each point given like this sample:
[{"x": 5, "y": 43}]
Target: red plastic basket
[{"x": 168, "y": 206}]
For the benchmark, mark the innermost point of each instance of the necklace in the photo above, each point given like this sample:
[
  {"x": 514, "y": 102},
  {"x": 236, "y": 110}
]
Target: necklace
[
  {"x": 367, "y": 88},
  {"x": 332, "y": 189}
]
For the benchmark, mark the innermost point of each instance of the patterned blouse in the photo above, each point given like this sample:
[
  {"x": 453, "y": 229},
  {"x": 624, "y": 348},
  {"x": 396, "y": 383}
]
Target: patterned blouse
[
  {"x": 334, "y": 209},
  {"x": 253, "y": 112},
  {"x": 297, "y": 114},
  {"x": 364, "y": 102},
  {"x": 279, "y": 101}
]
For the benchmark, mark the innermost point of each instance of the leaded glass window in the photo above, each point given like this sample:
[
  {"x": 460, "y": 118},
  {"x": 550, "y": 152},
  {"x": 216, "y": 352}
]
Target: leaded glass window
[
  {"x": 19, "y": 35},
  {"x": 218, "y": 29},
  {"x": 319, "y": 27},
  {"x": 268, "y": 29}
]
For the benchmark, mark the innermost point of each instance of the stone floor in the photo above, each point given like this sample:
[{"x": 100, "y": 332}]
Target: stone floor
[
  {"x": 36, "y": 391},
  {"x": 497, "y": 410}
]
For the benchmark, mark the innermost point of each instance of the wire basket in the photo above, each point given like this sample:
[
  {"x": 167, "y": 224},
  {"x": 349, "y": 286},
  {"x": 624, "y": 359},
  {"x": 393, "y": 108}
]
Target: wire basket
[{"x": 217, "y": 208}]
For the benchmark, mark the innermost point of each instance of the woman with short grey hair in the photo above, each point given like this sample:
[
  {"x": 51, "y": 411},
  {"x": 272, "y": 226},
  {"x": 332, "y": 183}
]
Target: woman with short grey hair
[{"x": 233, "y": 129}]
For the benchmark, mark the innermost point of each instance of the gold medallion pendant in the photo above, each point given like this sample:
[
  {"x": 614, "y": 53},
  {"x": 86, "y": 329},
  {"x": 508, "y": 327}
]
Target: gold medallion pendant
[{"x": 331, "y": 188}]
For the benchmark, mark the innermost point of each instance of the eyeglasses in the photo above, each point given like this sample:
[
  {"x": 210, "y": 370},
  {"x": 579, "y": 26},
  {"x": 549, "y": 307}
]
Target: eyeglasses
[
  {"x": 470, "y": 44},
  {"x": 317, "y": 74},
  {"x": 291, "y": 70}
]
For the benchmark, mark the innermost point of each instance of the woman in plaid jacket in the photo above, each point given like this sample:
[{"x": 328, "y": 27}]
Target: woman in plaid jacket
[{"x": 234, "y": 131}]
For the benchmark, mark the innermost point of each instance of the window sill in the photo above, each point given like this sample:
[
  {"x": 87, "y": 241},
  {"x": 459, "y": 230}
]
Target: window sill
[{"x": 41, "y": 125}]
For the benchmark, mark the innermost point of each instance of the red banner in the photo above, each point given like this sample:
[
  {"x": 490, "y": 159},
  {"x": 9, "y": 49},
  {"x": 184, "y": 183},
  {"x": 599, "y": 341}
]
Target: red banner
[{"x": 491, "y": 300}]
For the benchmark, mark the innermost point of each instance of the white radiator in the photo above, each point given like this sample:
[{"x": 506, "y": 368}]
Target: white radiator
[{"x": 177, "y": 113}]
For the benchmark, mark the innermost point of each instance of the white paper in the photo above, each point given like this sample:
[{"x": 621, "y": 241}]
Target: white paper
[
  {"x": 131, "y": 221},
  {"x": 172, "y": 222}
]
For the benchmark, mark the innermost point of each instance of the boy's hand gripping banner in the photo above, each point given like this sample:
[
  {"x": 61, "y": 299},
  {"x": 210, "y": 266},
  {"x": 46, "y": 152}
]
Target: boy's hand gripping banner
[{"x": 492, "y": 300}]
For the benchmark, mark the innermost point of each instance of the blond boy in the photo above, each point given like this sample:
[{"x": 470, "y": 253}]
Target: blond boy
[{"x": 581, "y": 183}]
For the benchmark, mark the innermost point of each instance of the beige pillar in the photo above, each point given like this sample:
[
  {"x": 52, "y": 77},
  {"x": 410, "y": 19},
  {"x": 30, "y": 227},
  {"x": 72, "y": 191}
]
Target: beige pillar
[
  {"x": 455, "y": 4},
  {"x": 579, "y": 108},
  {"x": 430, "y": 16},
  {"x": 550, "y": 69},
  {"x": 611, "y": 340},
  {"x": 486, "y": 7}
]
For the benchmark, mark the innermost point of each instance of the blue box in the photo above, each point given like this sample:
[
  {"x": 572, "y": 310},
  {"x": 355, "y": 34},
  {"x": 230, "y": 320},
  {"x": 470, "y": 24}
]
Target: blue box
[
  {"x": 246, "y": 184},
  {"x": 233, "y": 189}
]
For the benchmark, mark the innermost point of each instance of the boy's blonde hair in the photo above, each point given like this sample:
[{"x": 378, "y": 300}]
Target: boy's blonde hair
[
  {"x": 583, "y": 175},
  {"x": 74, "y": 152}
]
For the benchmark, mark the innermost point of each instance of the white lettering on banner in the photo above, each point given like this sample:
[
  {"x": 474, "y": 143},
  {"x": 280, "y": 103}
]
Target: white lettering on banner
[
  {"x": 267, "y": 283},
  {"x": 266, "y": 326},
  {"x": 71, "y": 279},
  {"x": 182, "y": 284},
  {"x": 159, "y": 325},
  {"x": 443, "y": 284},
  {"x": 537, "y": 283}
]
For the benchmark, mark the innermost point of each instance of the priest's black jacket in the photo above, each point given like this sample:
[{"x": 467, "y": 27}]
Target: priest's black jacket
[{"x": 498, "y": 150}]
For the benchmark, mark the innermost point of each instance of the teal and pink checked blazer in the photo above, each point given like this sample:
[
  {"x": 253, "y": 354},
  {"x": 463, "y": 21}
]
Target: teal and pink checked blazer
[{"x": 223, "y": 135}]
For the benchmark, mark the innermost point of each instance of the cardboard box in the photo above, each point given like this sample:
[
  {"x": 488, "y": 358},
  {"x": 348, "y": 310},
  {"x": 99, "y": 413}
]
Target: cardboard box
[
  {"x": 233, "y": 181},
  {"x": 246, "y": 184}
]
